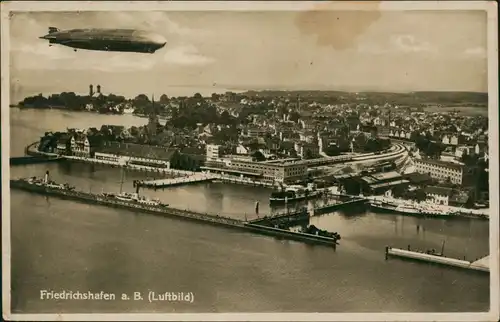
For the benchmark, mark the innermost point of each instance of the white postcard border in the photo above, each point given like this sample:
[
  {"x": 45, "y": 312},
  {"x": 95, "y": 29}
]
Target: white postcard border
[{"x": 492, "y": 50}]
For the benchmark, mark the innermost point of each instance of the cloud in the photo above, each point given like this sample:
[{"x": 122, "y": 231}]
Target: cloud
[
  {"x": 40, "y": 56},
  {"x": 408, "y": 43},
  {"x": 30, "y": 52},
  {"x": 156, "y": 21},
  {"x": 186, "y": 55},
  {"x": 396, "y": 44}
]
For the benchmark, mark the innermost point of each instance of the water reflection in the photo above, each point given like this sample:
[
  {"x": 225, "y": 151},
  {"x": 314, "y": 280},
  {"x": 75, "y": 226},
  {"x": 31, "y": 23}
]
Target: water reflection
[{"x": 56, "y": 243}]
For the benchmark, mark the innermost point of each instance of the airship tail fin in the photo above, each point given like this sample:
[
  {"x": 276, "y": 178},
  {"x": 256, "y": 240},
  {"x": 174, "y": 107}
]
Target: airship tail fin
[{"x": 53, "y": 29}]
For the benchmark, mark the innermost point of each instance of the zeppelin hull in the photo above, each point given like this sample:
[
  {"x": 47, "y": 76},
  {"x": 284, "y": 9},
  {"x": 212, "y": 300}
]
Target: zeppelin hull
[
  {"x": 121, "y": 40},
  {"x": 120, "y": 46}
]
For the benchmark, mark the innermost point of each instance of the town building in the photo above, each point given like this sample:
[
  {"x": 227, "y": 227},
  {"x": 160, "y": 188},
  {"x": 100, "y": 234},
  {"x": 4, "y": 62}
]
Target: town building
[
  {"x": 383, "y": 183},
  {"x": 307, "y": 150},
  {"x": 63, "y": 146},
  {"x": 213, "y": 152},
  {"x": 135, "y": 154},
  {"x": 438, "y": 195},
  {"x": 440, "y": 170},
  {"x": 81, "y": 145},
  {"x": 274, "y": 171},
  {"x": 256, "y": 131}
]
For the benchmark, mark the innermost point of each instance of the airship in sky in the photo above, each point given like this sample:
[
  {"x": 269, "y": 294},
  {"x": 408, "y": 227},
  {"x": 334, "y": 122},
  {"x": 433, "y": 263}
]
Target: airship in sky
[{"x": 123, "y": 40}]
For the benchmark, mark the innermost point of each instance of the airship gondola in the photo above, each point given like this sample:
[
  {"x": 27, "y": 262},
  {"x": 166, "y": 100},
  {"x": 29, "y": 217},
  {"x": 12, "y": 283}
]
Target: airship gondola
[{"x": 121, "y": 40}]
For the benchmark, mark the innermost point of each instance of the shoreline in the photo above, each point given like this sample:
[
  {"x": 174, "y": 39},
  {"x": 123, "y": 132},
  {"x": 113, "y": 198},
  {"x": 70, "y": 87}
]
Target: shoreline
[{"x": 460, "y": 212}]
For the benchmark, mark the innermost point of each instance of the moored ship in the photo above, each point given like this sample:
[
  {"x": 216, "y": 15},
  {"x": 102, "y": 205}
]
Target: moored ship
[
  {"x": 43, "y": 183},
  {"x": 410, "y": 209},
  {"x": 134, "y": 198},
  {"x": 395, "y": 208},
  {"x": 294, "y": 193}
]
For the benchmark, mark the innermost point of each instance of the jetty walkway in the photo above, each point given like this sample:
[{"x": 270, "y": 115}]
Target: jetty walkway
[
  {"x": 169, "y": 182},
  {"x": 197, "y": 177},
  {"x": 342, "y": 203},
  {"x": 33, "y": 156},
  {"x": 165, "y": 210},
  {"x": 481, "y": 265},
  {"x": 33, "y": 160}
]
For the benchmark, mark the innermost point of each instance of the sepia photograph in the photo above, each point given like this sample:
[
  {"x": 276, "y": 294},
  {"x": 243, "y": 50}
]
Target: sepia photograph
[{"x": 248, "y": 161}]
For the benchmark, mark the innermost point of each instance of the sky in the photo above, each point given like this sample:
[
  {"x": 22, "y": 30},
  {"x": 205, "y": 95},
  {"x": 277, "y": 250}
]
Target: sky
[{"x": 214, "y": 50}]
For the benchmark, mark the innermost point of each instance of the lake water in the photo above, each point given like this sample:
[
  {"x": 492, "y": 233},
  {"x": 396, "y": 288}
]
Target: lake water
[{"x": 64, "y": 245}]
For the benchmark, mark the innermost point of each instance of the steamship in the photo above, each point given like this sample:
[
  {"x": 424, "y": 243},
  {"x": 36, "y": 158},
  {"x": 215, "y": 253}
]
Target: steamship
[{"x": 45, "y": 182}]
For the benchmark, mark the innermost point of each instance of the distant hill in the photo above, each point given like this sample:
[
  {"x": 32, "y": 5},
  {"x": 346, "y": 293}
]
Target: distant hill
[{"x": 410, "y": 98}]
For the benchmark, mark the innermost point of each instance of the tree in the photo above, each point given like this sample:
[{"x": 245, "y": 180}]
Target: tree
[
  {"x": 258, "y": 156},
  {"x": 420, "y": 195},
  {"x": 308, "y": 154},
  {"x": 414, "y": 136},
  {"x": 332, "y": 150},
  {"x": 164, "y": 99},
  {"x": 359, "y": 141},
  {"x": 372, "y": 145},
  {"x": 225, "y": 118},
  {"x": 294, "y": 116}
]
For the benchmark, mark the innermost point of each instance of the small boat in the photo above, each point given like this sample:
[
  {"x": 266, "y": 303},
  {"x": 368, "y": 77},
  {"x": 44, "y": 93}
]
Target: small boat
[
  {"x": 408, "y": 209},
  {"x": 145, "y": 201},
  {"x": 126, "y": 196},
  {"x": 393, "y": 207},
  {"x": 383, "y": 205},
  {"x": 293, "y": 194}
]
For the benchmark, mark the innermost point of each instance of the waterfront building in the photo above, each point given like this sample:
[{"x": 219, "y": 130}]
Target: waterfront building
[
  {"x": 438, "y": 195},
  {"x": 279, "y": 171},
  {"x": 213, "y": 152},
  {"x": 135, "y": 154},
  {"x": 383, "y": 183},
  {"x": 63, "y": 145},
  {"x": 441, "y": 170},
  {"x": 83, "y": 145}
]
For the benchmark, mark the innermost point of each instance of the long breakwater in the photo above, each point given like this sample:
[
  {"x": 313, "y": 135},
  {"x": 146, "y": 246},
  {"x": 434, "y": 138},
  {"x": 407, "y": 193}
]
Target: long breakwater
[{"x": 164, "y": 210}]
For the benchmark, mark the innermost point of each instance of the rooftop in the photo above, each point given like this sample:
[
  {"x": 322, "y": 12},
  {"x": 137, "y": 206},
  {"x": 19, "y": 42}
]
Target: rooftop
[
  {"x": 416, "y": 177},
  {"x": 137, "y": 150},
  {"x": 440, "y": 163},
  {"x": 386, "y": 175},
  {"x": 442, "y": 191},
  {"x": 389, "y": 184}
]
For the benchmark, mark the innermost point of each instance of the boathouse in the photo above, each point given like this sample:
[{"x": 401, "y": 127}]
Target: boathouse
[
  {"x": 383, "y": 183},
  {"x": 138, "y": 154}
]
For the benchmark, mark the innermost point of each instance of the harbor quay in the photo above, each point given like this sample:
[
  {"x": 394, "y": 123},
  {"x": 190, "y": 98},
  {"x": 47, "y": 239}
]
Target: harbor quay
[
  {"x": 165, "y": 210},
  {"x": 433, "y": 257},
  {"x": 165, "y": 177},
  {"x": 215, "y": 222}
]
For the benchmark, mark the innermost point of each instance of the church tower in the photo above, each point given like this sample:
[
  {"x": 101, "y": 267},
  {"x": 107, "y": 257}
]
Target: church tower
[{"x": 153, "y": 118}]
